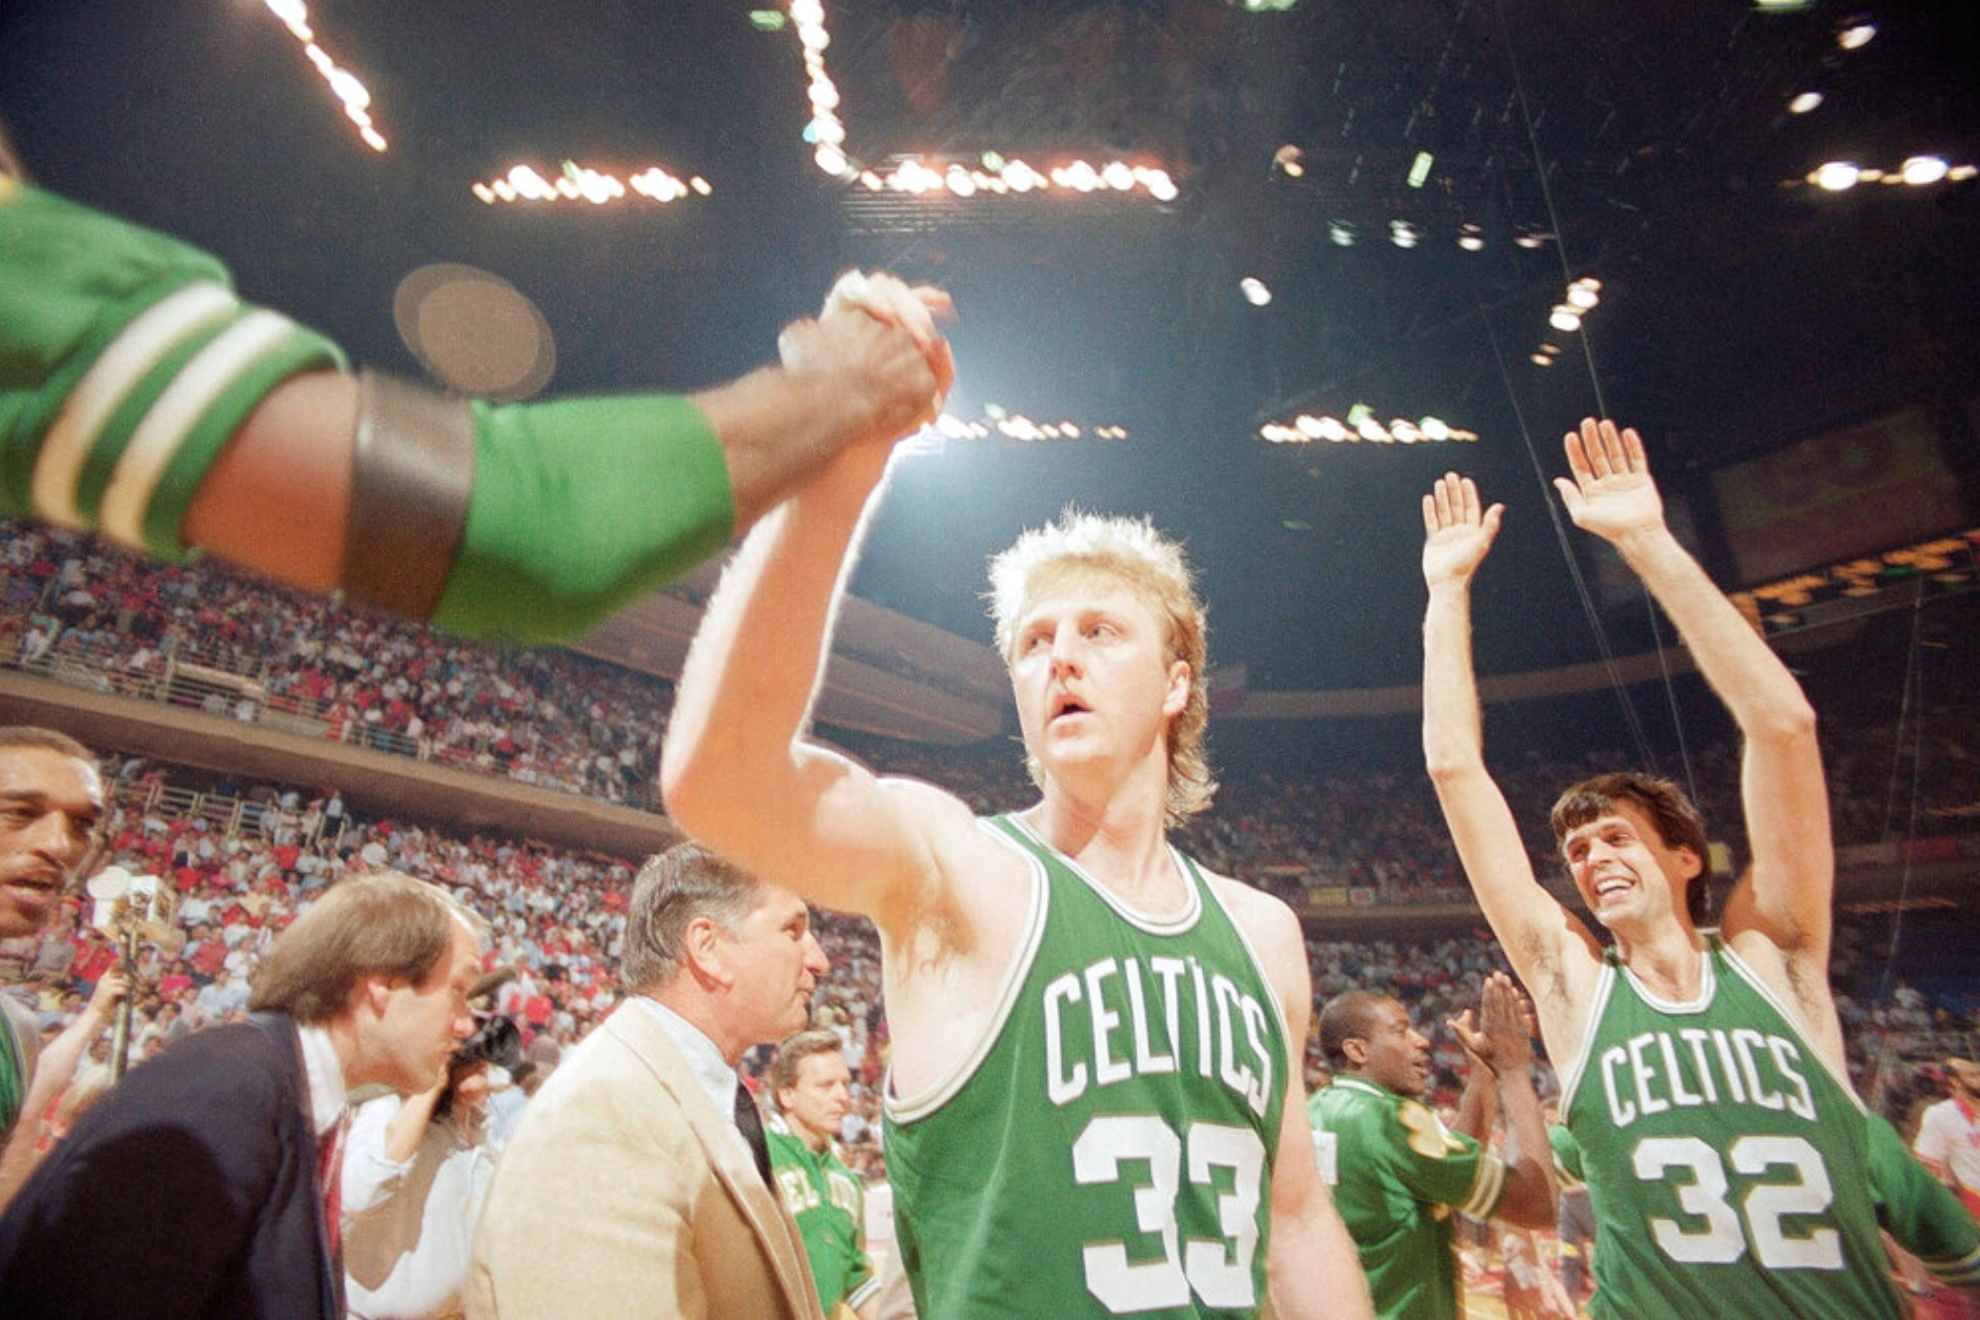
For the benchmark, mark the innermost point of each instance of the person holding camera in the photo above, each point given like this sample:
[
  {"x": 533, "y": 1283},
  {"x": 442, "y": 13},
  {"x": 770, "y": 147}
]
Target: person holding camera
[{"x": 416, "y": 1168}]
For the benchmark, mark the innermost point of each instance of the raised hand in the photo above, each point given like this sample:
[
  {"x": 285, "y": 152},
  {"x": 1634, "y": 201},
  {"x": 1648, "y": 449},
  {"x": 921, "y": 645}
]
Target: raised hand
[
  {"x": 1508, "y": 1023},
  {"x": 1457, "y": 533},
  {"x": 875, "y": 341},
  {"x": 1610, "y": 492},
  {"x": 892, "y": 301}
]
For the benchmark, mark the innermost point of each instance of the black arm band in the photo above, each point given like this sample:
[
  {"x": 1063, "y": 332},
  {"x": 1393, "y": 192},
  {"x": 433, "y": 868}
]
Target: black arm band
[{"x": 412, "y": 473}]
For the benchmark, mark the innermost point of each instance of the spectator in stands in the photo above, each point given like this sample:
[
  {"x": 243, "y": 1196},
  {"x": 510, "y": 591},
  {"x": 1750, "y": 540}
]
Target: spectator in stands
[{"x": 1949, "y": 1133}]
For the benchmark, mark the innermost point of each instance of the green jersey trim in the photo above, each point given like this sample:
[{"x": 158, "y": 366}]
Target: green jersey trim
[
  {"x": 1745, "y": 972},
  {"x": 1184, "y": 920}
]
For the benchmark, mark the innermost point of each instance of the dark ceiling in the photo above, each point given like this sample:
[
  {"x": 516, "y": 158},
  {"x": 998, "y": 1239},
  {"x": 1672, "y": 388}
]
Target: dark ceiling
[{"x": 1648, "y": 142}]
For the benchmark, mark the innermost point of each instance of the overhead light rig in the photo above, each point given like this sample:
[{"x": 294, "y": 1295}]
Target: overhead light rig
[
  {"x": 347, "y": 87},
  {"x": 1361, "y": 425},
  {"x": 939, "y": 178}
]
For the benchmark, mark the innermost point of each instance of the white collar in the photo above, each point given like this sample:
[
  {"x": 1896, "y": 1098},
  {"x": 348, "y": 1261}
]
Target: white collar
[
  {"x": 711, "y": 1071},
  {"x": 327, "y": 1094}
]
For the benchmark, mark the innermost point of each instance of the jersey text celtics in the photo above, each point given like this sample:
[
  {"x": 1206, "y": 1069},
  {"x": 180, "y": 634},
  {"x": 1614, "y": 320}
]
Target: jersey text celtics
[{"x": 1107, "y": 1149}]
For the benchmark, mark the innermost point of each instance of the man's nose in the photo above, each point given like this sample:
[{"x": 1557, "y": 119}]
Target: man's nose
[
  {"x": 57, "y": 837},
  {"x": 1067, "y": 651}
]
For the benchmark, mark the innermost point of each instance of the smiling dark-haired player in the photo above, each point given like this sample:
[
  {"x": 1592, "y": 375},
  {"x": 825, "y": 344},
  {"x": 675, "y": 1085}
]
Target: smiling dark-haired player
[{"x": 1702, "y": 1071}]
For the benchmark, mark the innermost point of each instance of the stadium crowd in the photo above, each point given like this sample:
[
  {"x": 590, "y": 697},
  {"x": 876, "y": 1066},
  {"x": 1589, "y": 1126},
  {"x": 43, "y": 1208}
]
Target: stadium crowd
[{"x": 244, "y": 860}]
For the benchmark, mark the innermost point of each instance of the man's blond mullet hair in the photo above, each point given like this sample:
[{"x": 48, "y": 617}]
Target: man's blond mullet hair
[{"x": 1154, "y": 568}]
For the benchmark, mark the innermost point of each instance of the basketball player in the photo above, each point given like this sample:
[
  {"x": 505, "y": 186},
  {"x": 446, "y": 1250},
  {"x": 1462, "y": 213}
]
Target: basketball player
[
  {"x": 1096, "y": 1104},
  {"x": 141, "y": 398},
  {"x": 1702, "y": 1071}
]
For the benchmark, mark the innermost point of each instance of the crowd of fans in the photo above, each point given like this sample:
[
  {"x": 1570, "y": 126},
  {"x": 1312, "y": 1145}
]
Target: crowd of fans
[
  {"x": 243, "y": 860},
  {"x": 208, "y": 636},
  {"x": 96, "y": 615},
  {"x": 239, "y": 864}
]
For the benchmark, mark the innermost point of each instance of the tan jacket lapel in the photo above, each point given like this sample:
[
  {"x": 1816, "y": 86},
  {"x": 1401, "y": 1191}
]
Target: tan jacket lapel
[{"x": 728, "y": 1156}]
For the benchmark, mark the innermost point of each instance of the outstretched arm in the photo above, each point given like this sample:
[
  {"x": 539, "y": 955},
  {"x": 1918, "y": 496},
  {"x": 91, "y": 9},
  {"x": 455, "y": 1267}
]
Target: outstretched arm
[
  {"x": 1506, "y": 1048},
  {"x": 54, "y": 1071},
  {"x": 1458, "y": 533},
  {"x": 154, "y": 405},
  {"x": 1610, "y": 493},
  {"x": 1312, "y": 1266},
  {"x": 736, "y": 768}
]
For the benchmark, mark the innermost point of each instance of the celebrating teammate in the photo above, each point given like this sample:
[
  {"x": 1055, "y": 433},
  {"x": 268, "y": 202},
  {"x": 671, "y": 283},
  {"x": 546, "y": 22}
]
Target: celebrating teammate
[
  {"x": 1397, "y": 1171},
  {"x": 1702, "y": 1071},
  {"x": 1096, "y": 1103},
  {"x": 141, "y": 398}
]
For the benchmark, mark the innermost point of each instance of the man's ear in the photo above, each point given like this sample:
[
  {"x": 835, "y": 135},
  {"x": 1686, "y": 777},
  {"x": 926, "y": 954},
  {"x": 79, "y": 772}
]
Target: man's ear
[
  {"x": 371, "y": 993},
  {"x": 1176, "y": 699},
  {"x": 702, "y": 952},
  {"x": 1356, "y": 1050}
]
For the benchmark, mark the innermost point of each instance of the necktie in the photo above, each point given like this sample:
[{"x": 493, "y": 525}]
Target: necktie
[
  {"x": 749, "y": 1121},
  {"x": 330, "y": 1172}
]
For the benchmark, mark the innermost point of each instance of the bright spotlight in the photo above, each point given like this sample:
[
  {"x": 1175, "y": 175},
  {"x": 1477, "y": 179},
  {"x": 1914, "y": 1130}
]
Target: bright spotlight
[
  {"x": 1925, "y": 169},
  {"x": 1805, "y": 102},
  {"x": 1856, "y": 36},
  {"x": 1255, "y": 291},
  {"x": 1836, "y": 176}
]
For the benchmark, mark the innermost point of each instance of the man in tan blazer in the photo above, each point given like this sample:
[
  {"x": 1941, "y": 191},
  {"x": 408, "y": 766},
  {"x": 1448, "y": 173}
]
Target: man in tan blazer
[{"x": 628, "y": 1190}]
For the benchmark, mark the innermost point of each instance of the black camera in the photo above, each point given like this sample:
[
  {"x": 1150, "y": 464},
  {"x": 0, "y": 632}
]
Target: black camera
[{"x": 495, "y": 1040}]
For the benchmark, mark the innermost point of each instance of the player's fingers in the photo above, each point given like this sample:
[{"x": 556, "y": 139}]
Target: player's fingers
[
  {"x": 1595, "y": 447},
  {"x": 1577, "y": 457},
  {"x": 1633, "y": 449},
  {"x": 937, "y": 301}
]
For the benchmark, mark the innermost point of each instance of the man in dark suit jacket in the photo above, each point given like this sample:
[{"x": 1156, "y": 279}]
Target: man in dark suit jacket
[{"x": 196, "y": 1188}]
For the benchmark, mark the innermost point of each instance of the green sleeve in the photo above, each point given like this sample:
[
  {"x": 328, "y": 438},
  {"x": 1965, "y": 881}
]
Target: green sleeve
[
  {"x": 579, "y": 507},
  {"x": 1567, "y": 1155},
  {"x": 1921, "y": 1214},
  {"x": 100, "y": 321},
  {"x": 1440, "y": 1166}
]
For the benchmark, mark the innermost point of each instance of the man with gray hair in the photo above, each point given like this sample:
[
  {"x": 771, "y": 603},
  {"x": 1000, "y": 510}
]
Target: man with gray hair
[{"x": 629, "y": 1189}]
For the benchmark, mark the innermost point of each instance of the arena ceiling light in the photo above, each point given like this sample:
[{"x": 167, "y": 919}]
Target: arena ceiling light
[
  {"x": 938, "y": 176},
  {"x": 347, "y": 87},
  {"x": 580, "y": 183},
  {"x": 1361, "y": 425}
]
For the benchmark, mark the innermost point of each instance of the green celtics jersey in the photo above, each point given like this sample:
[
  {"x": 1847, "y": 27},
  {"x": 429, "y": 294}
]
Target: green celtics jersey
[
  {"x": 1922, "y": 1214},
  {"x": 1728, "y": 1171},
  {"x": 1107, "y": 1149},
  {"x": 829, "y": 1205},
  {"x": 1397, "y": 1173}
]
